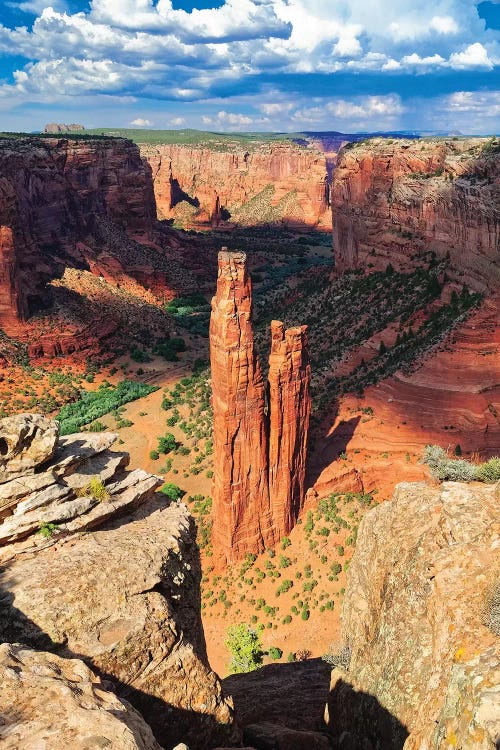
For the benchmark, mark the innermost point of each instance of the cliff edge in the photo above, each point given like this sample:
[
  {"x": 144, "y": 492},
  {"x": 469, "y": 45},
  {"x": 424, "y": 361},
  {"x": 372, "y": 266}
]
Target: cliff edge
[{"x": 421, "y": 624}]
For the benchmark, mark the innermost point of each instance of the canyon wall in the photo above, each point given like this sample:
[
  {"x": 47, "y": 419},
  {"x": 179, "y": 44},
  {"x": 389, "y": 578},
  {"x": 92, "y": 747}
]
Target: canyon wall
[
  {"x": 113, "y": 580},
  {"x": 53, "y": 193},
  {"x": 393, "y": 200},
  {"x": 420, "y": 624},
  {"x": 259, "y": 448},
  {"x": 274, "y": 182}
]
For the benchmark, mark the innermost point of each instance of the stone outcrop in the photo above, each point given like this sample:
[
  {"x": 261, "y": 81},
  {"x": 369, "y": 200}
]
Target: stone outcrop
[
  {"x": 392, "y": 200},
  {"x": 208, "y": 181},
  {"x": 289, "y": 414},
  {"x": 61, "y": 127},
  {"x": 421, "y": 620},
  {"x": 259, "y": 449},
  {"x": 124, "y": 596},
  {"x": 53, "y": 193},
  {"x": 46, "y": 701},
  {"x": 241, "y": 488}
]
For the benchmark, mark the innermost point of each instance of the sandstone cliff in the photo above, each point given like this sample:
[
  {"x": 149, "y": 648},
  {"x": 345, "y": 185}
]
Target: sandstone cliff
[
  {"x": 123, "y": 596},
  {"x": 420, "y": 618},
  {"x": 259, "y": 448},
  {"x": 280, "y": 182},
  {"x": 53, "y": 194},
  {"x": 393, "y": 200}
]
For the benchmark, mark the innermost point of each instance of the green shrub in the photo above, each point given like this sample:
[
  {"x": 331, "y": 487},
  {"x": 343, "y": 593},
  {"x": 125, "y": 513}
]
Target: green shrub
[
  {"x": 172, "y": 491},
  {"x": 95, "y": 404},
  {"x": 489, "y": 471},
  {"x": 275, "y": 653},
  {"x": 154, "y": 455},
  {"x": 245, "y": 647},
  {"x": 291, "y": 657},
  {"x": 47, "y": 529},
  {"x": 167, "y": 443},
  {"x": 305, "y": 614},
  {"x": 97, "y": 426}
]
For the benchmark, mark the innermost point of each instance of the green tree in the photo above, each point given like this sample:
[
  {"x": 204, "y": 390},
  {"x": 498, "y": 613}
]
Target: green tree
[{"x": 246, "y": 648}]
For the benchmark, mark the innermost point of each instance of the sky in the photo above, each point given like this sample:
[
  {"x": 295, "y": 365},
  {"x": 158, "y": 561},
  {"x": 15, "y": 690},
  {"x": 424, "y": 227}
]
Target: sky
[{"x": 251, "y": 65}]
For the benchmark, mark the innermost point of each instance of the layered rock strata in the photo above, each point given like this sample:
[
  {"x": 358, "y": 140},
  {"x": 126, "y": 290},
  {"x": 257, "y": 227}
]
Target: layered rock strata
[
  {"x": 53, "y": 192},
  {"x": 124, "y": 596},
  {"x": 210, "y": 181},
  {"x": 393, "y": 200},
  {"x": 420, "y": 620},
  {"x": 46, "y": 701},
  {"x": 259, "y": 447}
]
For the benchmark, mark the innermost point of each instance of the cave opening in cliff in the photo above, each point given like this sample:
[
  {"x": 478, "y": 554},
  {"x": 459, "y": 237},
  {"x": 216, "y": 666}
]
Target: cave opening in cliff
[{"x": 4, "y": 448}]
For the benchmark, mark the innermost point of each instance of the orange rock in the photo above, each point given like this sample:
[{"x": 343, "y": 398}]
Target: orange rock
[
  {"x": 259, "y": 457},
  {"x": 240, "y": 494},
  {"x": 212, "y": 180},
  {"x": 289, "y": 411},
  {"x": 392, "y": 200}
]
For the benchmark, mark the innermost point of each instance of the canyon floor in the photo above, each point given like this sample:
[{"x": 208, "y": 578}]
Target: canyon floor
[{"x": 400, "y": 359}]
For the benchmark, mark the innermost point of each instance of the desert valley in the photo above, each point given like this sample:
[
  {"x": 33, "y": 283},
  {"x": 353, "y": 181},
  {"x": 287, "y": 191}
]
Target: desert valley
[{"x": 249, "y": 440}]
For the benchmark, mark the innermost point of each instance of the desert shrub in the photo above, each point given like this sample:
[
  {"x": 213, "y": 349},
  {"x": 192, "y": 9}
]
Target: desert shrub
[
  {"x": 95, "y": 488},
  {"x": 154, "y": 455},
  {"x": 172, "y": 491},
  {"x": 97, "y": 426},
  {"x": 302, "y": 655},
  {"x": 139, "y": 355},
  {"x": 489, "y": 471},
  {"x": 275, "y": 652},
  {"x": 245, "y": 647},
  {"x": 47, "y": 529},
  {"x": 167, "y": 443},
  {"x": 443, "y": 467}
]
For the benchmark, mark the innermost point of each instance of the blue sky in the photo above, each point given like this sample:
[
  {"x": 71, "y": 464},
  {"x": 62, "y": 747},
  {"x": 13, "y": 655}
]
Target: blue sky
[{"x": 288, "y": 65}]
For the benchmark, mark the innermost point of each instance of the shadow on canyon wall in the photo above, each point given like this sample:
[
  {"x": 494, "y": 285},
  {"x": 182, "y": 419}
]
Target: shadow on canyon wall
[
  {"x": 357, "y": 721},
  {"x": 332, "y": 445}
]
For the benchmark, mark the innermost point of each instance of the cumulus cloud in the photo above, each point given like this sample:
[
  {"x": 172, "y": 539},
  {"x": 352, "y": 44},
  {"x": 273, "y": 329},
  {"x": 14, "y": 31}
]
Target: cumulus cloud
[
  {"x": 177, "y": 121},
  {"x": 474, "y": 56},
  {"x": 146, "y": 48},
  {"x": 141, "y": 122}
]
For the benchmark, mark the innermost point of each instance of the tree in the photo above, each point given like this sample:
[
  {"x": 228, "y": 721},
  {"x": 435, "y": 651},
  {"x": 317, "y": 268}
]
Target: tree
[
  {"x": 246, "y": 648},
  {"x": 167, "y": 443}
]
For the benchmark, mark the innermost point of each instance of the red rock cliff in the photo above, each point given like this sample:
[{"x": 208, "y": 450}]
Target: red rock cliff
[
  {"x": 240, "y": 491},
  {"x": 278, "y": 182},
  {"x": 52, "y": 192},
  {"x": 289, "y": 412},
  {"x": 393, "y": 200},
  {"x": 259, "y": 453}
]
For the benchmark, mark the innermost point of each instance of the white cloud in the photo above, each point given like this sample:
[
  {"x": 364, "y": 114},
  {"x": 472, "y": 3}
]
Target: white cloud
[
  {"x": 177, "y": 121},
  {"x": 141, "y": 123},
  {"x": 444, "y": 24},
  {"x": 475, "y": 56}
]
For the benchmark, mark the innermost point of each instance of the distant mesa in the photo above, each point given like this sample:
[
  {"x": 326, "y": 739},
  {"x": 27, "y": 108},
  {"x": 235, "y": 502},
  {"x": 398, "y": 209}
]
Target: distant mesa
[{"x": 60, "y": 127}]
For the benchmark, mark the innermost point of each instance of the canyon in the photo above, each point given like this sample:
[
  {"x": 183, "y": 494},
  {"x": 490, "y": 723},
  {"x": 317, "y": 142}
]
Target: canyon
[
  {"x": 259, "y": 447},
  {"x": 283, "y": 183},
  {"x": 359, "y": 365}
]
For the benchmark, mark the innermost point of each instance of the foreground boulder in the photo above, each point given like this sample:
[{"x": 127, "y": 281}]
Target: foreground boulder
[
  {"x": 114, "y": 580},
  {"x": 421, "y": 621},
  {"x": 55, "y": 703}
]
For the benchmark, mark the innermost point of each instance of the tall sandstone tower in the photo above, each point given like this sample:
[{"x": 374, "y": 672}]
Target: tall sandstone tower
[{"x": 260, "y": 434}]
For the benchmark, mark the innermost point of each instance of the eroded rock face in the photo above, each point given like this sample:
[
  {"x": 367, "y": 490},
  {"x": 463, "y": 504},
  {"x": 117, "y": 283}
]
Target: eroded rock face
[
  {"x": 210, "y": 180},
  {"x": 46, "y": 701},
  {"x": 26, "y": 441},
  {"x": 424, "y": 666},
  {"x": 124, "y": 596},
  {"x": 289, "y": 413},
  {"x": 241, "y": 488},
  {"x": 259, "y": 447},
  {"x": 52, "y": 193},
  {"x": 393, "y": 200}
]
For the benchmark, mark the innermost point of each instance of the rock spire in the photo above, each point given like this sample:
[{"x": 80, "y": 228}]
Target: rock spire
[{"x": 260, "y": 434}]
